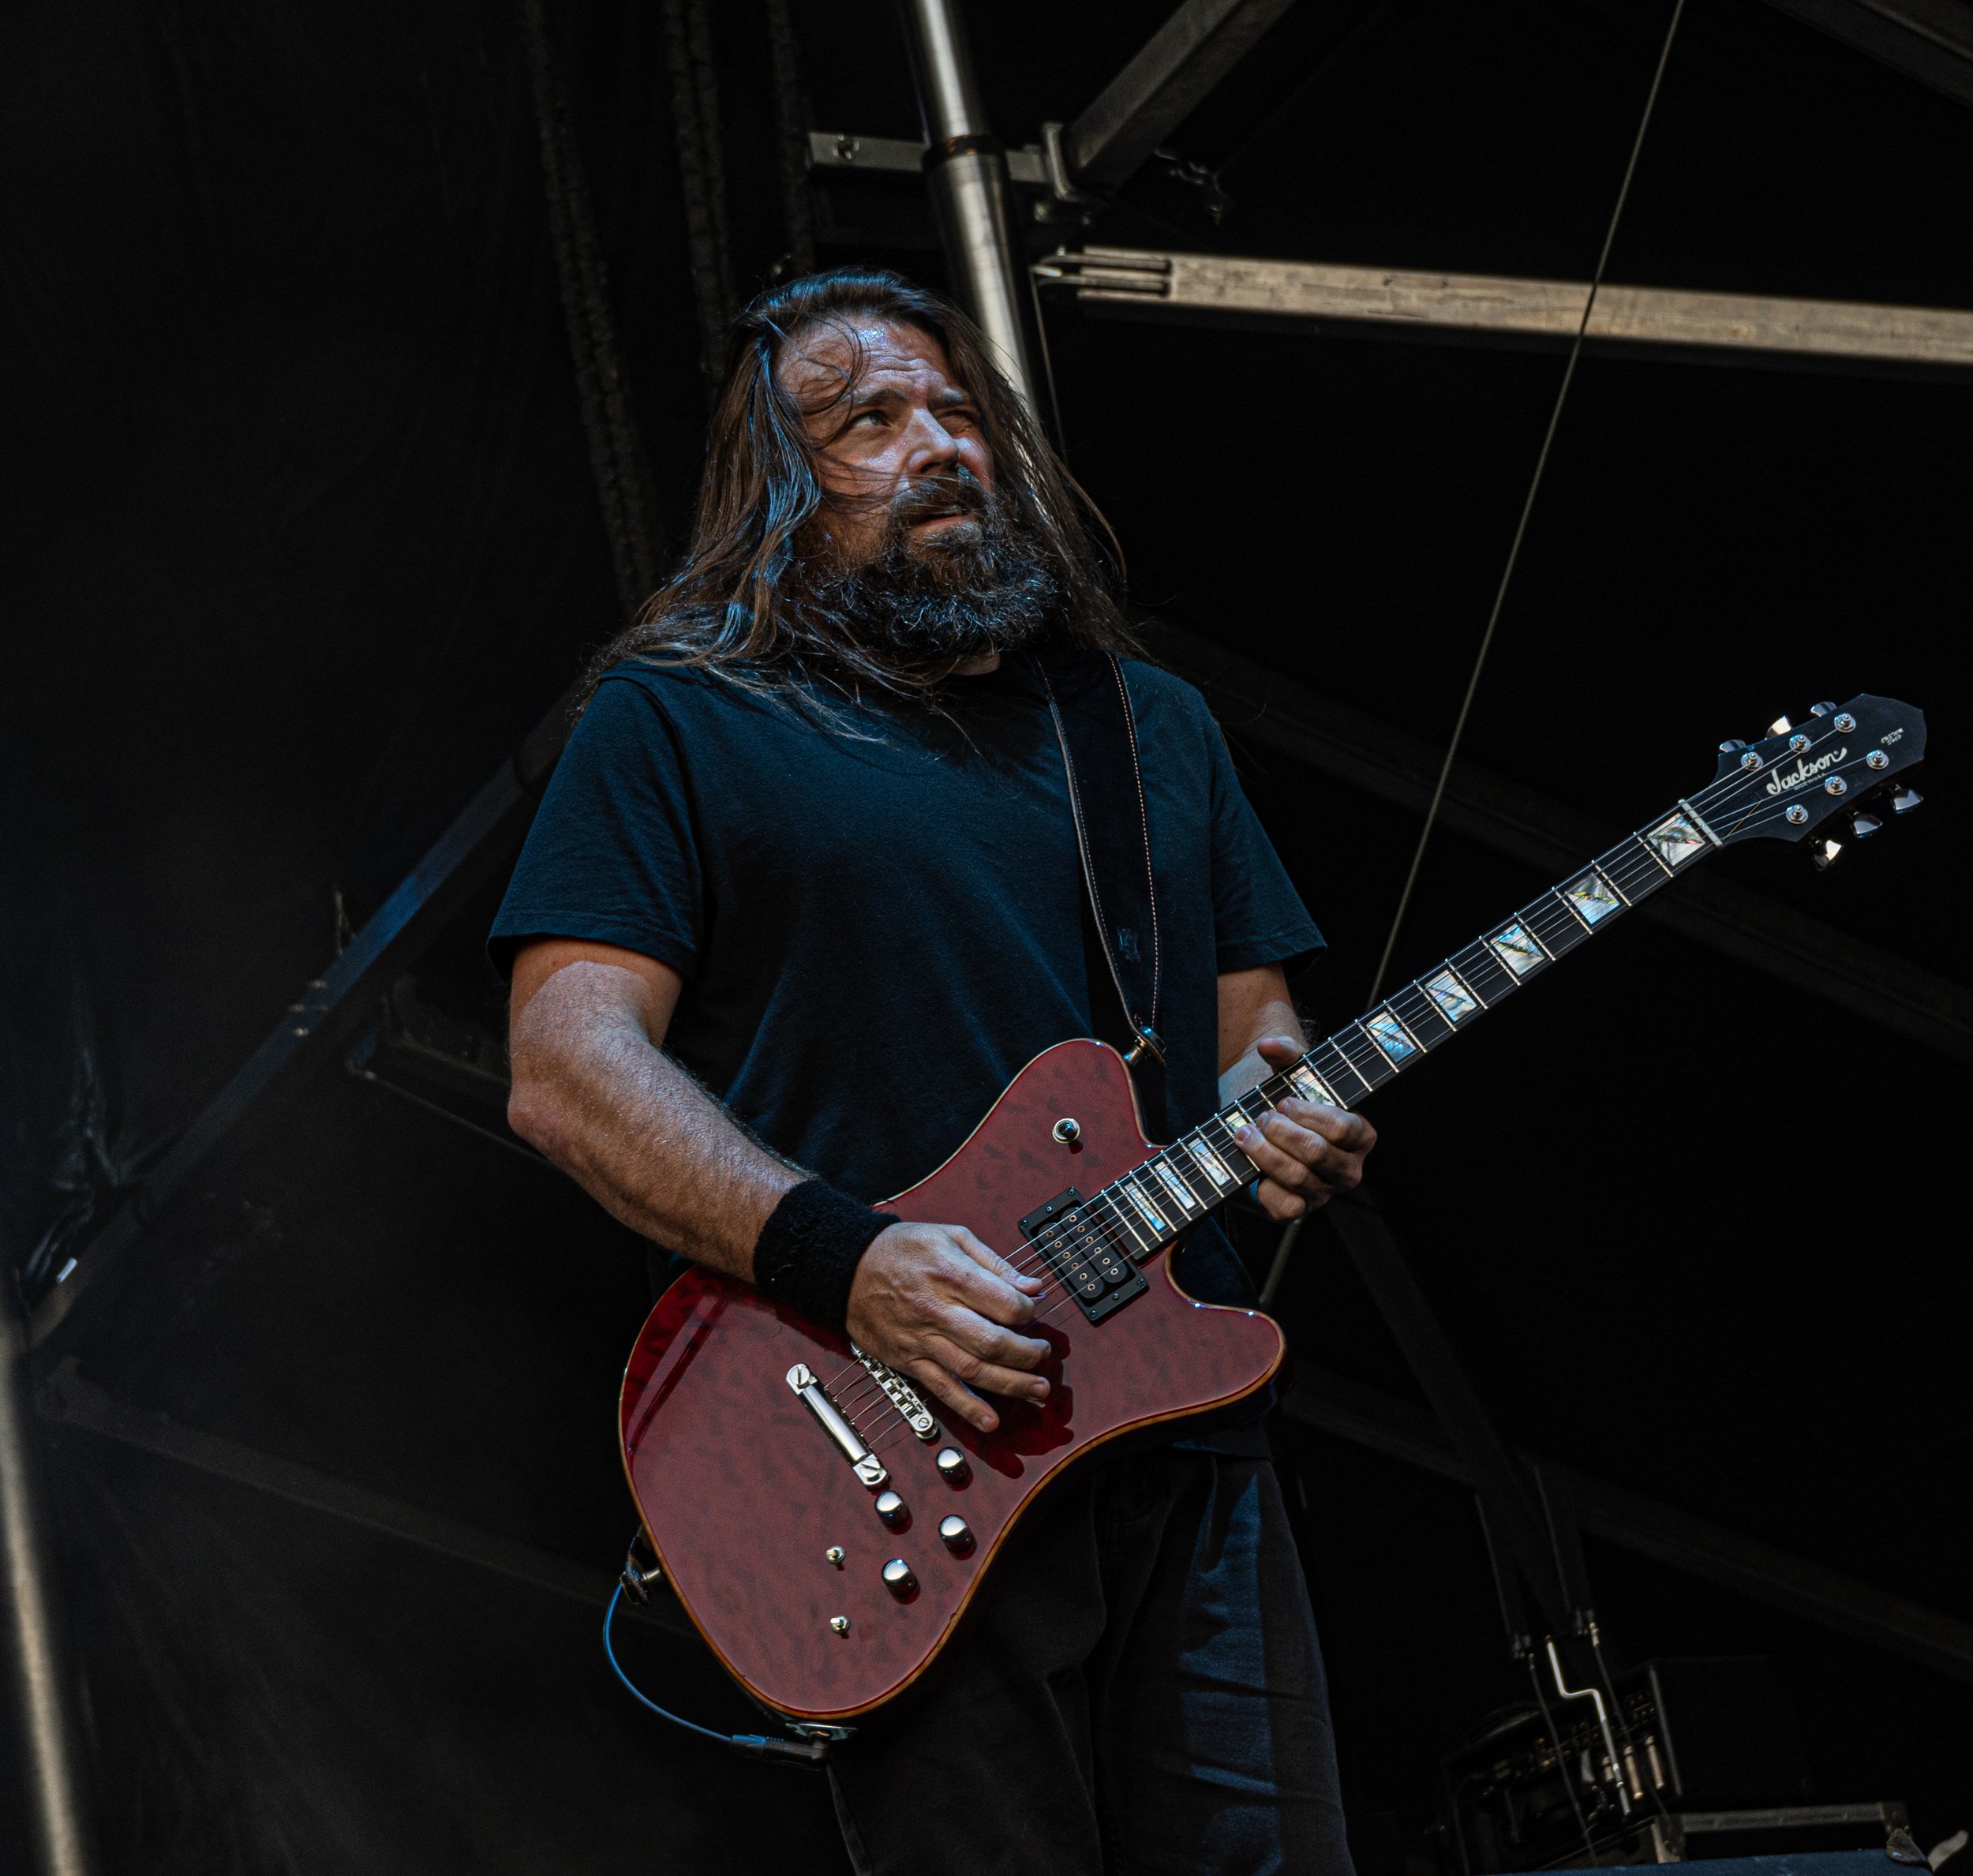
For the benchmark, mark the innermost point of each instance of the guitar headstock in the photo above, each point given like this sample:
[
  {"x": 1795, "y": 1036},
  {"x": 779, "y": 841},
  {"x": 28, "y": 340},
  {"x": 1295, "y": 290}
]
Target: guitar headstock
[{"x": 1842, "y": 760}]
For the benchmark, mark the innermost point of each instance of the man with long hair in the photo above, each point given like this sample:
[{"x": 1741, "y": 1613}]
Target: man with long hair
[{"x": 802, "y": 897}]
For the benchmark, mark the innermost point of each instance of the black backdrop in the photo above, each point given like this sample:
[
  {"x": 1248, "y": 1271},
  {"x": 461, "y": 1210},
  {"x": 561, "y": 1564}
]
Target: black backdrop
[{"x": 302, "y": 536}]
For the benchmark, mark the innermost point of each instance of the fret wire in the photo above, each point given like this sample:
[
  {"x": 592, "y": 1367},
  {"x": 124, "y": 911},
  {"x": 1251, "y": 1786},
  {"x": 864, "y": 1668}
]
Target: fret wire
[
  {"x": 1231, "y": 1150},
  {"x": 1205, "y": 1145},
  {"x": 1633, "y": 853},
  {"x": 1608, "y": 879},
  {"x": 1191, "y": 1174},
  {"x": 1121, "y": 1212},
  {"x": 1448, "y": 968},
  {"x": 1136, "y": 1180},
  {"x": 1390, "y": 1009},
  {"x": 1125, "y": 1199},
  {"x": 1372, "y": 1053},
  {"x": 1652, "y": 854},
  {"x": 1171, "y": 1165},
  {"x": 1426, "y": 1013},
  {"x": 1348, "y": 1067},
  {"x": 1160, "y": 1199}
]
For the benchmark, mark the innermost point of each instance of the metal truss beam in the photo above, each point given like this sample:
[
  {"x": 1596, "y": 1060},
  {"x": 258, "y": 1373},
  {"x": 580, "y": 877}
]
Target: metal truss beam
[
  {"x": 1167, "y": 81},
  {"x": 1667, "y": 322},
  {"x": 1263, "y": 707},
  {"x": 1330, "y": 1404},
  {"x": 68, "y": 1400},
  {"x": 1930, "y": 40},
  {"x": 335, "y": 1008},
  {"x": 1275, "y": 712}
]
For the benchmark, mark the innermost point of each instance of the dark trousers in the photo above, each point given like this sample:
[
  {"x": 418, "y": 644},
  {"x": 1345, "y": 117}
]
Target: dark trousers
[{"x": 1145, "y": 1693}]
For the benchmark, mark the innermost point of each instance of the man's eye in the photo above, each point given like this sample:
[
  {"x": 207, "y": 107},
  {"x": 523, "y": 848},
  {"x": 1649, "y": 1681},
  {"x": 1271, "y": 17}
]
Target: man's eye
[{"x": 866, "y": 416}]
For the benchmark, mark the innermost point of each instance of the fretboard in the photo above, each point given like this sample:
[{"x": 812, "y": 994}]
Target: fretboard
[{"x": 1152, "y": 1205}]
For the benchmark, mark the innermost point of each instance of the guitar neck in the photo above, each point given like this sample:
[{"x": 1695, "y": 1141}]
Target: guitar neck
[{"x": 1156, "y": 1201}]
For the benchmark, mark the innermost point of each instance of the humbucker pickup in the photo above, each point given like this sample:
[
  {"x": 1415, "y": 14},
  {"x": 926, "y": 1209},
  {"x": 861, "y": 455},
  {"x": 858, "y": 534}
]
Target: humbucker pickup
[{"x": 1075, "y": 1245}]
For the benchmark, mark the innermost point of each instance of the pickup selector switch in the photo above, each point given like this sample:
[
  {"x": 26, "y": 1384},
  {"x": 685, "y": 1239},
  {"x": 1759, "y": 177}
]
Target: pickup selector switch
[
  {"x": 956, "y": 1535},
  {"x": 952, "y": 1466},
  {"x": 893, "y": 1509},
  {"x": 898, "y": 1578}
]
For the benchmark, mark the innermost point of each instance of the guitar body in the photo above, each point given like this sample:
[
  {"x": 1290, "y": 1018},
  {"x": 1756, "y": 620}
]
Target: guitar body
[{"x": 746, "y": 1496}]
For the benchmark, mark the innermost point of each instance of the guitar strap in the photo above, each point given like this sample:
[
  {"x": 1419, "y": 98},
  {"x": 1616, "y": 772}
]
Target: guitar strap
[{"x": 1091, "y": 714}]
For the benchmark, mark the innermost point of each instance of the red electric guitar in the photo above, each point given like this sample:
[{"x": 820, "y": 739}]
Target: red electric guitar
[{"x": 823, "y": 1528}]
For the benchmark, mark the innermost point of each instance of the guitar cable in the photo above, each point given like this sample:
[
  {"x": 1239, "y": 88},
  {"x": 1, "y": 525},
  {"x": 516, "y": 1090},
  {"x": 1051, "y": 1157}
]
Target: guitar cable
[{"x": 803, "y": 1752}]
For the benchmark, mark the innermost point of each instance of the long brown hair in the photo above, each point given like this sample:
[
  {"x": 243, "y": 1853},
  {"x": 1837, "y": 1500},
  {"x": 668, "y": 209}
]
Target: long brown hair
[{"x": 734, "y": 606}]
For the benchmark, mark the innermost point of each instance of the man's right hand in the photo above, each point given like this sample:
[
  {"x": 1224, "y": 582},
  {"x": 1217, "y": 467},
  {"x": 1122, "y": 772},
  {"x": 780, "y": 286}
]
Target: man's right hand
[{"x": 935, "y": 1304}]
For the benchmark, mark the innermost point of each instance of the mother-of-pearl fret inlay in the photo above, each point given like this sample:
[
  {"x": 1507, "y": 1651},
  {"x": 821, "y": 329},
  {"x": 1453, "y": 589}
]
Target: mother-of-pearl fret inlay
[
  {"x": 1153, "y": 1217},
  {"x": 1392, "y": 1037},
  {"x": 1456, "y": 1002},
  {"x": 1187, "y": 1200},
  {"x": 1592, "y": 898},
  {"x": 1516, "y": 950},
  {"x": 1156, "y": 1201},
  {"x": 1676, "y": 839},
  {"x": 1310, "y": 1085},
  {"x": 1216, "y": 1168}
]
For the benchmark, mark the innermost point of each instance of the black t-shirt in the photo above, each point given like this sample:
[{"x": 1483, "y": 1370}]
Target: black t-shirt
[{"x": 879, "y": 921}]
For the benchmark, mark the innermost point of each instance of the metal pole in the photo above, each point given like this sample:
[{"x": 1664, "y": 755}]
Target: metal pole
[
  {"x": 966, "y": 170},
  {"x": 40, "y": 1689}
]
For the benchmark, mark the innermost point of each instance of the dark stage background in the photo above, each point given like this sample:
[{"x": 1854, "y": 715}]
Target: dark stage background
[{"x": 302, "y": 538}]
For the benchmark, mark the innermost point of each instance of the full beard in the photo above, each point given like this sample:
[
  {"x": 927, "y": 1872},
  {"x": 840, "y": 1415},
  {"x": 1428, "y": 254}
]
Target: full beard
[{"x": 971, "y": 588}]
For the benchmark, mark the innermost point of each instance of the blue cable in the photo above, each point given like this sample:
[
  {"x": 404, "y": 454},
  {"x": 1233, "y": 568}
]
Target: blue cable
[{"x": 808, "y": 1752}]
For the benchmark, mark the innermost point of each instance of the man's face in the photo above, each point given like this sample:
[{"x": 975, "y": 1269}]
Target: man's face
[{"x": 903, "y": 450}]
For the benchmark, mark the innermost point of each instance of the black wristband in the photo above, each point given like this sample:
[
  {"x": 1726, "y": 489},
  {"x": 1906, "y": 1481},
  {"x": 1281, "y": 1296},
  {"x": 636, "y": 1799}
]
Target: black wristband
[{"x": 806, "y": 1254}]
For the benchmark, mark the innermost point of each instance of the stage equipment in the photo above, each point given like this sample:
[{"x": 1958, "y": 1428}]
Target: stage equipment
[
  {"x": 1707, "y": 1748},
  {"x": 1901, "y": 1852},
  {"x": 1671, "y": 323},
  {"x": 41, "y": 1687},
  {"x": 796, "y": 1490},
  {"x": 967, "y": 168}
]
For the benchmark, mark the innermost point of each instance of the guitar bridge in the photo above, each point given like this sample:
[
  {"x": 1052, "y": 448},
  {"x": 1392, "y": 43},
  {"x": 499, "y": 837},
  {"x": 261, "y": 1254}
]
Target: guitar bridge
[
  {"x": 1079, "y": 1252},
  {"x": 868, "y": 1468},
  {"x": 910, "y": 1408}
]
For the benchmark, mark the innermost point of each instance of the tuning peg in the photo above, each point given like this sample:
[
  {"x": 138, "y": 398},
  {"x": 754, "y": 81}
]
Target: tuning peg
[
  {"x": 1732, "y": 746},
  {"x": 1821, "y": 710},
  {"x": 1823, "y": 853},
  {"x": 1904, "y": 801},
  {"x": 1863, "y": 824},
  {"x": 1779, "y": 727}
]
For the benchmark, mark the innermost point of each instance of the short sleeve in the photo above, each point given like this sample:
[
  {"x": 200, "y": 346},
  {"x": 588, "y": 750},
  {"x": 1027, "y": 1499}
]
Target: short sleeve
[
  {"x": 1258, "y": 916},
  {"x": 612, "y": 856}
]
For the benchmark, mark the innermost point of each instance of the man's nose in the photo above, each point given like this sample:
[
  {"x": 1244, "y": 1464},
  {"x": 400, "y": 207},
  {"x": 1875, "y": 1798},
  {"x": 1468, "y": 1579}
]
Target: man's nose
[{"x": 931, "y": 448}]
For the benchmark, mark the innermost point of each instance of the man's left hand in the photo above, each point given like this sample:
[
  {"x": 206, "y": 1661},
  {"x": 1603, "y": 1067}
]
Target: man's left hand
[{"x": 1306, "y": 1152}]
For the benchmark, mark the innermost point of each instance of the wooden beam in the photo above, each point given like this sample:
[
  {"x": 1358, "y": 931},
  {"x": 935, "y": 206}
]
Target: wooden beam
[{"x": 1484, "y": 309}]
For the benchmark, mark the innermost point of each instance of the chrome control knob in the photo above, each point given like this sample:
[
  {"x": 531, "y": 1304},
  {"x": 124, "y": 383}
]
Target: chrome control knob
[
  {"x": 956, "y": 1535},
  {"x": 892, "y": 1509},
  {"x": 952, "y": 1466},
  {"x": 898, "y": 1578}
]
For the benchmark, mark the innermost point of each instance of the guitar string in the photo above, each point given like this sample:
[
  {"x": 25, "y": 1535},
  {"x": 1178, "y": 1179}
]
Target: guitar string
[
  {"x": 1633, "y": 868},
  {"x": 1121, "y": 1231}
]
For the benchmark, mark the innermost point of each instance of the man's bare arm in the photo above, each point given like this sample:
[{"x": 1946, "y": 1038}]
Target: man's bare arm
[
  {"x": 595, "y": 1090},
  {"x": 1307, "y": 1151}
]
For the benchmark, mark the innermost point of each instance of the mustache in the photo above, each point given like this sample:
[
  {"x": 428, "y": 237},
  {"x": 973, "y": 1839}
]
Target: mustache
[{"x": 961, "y": 493}]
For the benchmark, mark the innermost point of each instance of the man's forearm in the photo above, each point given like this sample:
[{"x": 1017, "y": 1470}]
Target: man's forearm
[
  {"x": 631, "y": 1126},
  {"x": 1275, "y": 1017}
]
